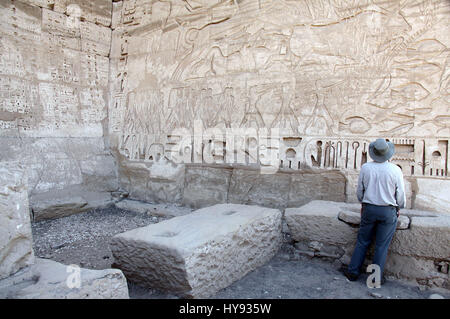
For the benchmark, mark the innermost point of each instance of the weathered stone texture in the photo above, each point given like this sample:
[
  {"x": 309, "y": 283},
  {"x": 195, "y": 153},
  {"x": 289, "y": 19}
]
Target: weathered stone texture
[
  {"x": 427, "y": 237},
  {"x": 353, "y": 218},
  {"x": 153, "y": 209},
  {"x": 79, "y": 171},
  {"x": 329, "y": 76},
  {"x": 54, "y": 70},
  {"x": 48, "y": 279},
  {"x": 253, "y": 188},
  {"x": 152, "y": 182},
  {"x": 71, "y": 200},
  {"x": 433, "y": 194},
  {"x": 205, "y": 186},
  {"x": 16, "y": 240},
  {"x": 316, "y": 185},
  {"x": 257, "y": 65},
  {"x": 418, "y": 252},
  {"x": 95, "y": 11},
  {"x": 318, "y": 220},
  {"x": 192, "y": 256}
]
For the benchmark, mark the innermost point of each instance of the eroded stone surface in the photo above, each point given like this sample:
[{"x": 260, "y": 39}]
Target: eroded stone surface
[
  {"x": 54, "y": 70},
  {"x": 318, "y": 221},
  {"x": 205, "y": 186},
  {"x": 199, "y": 254},
  {"x": 418, "y": 252},
  {"x": 166, "y": 185},
  {"x": 255, "y": 66},
  {"x": 353, "y": 218},
  {"x": 433, "y": 194},
  {"x": 48, "y": 279},
  {"x": 16, "y": 240},
  {"x": 153, "y": 209},
  {"x": 57, "y": 204},
  {"x": 427, "y": 237}
]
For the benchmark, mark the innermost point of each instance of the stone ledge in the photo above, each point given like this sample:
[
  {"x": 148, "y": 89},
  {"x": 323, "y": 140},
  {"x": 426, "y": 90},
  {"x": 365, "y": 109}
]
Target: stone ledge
[
  {"x": 62, "y": 203},
  {"x": 424, "y": 245},
  {"x": 318, "y": 221},
  {"x": 353, "y": 218},
  {"x": 47, "y": 279},
  {"x": 199, "y": 254},
  {"x": 160, "y": 210}
]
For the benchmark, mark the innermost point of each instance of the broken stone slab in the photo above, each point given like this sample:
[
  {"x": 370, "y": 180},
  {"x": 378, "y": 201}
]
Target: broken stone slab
[
  {"x": 198, "y": 254},
  {"x": 160, "y": 210},
  {"x": 349, "y": 217},
  {"x": 353, "y": 218},
  {"x": 57, "y": 204},
  {"x": 411, "y": 267},
  {"x": 426, "y": 237},
  {"x": 318, "y": 221},
  {"x": 48, "y": 279},
  {"x": 16, "y": 242}
]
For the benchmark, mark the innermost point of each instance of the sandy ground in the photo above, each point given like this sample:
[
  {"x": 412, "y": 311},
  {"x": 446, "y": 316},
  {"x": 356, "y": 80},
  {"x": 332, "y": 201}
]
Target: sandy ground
[{"x": 83, "y": 239}]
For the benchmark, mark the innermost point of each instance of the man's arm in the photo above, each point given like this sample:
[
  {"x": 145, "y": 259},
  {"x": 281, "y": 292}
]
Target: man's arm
[
  {"x": 360, "y": 188},
  {"x": 400, "y": 195}
]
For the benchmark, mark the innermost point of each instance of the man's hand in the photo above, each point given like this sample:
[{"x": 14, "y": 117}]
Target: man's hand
[
  {"x": 361, "y": 209},
  {"x": 398, "y": 213}
]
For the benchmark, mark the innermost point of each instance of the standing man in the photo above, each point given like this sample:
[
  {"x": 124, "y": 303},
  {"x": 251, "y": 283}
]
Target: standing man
[{"x": 381, "y": 192}]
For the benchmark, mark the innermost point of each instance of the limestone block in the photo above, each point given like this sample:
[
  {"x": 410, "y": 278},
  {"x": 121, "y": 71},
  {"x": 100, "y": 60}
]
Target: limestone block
[
  {"x": 321, "y": 185},
  {"x": 157, "y": 182},
  {"x": 66, "y": 202},
  {"x": 253, "y": 188},
  {"x": 432, "y": 194},
  {"x": 426, "y": 237},
  {"x": 199, "y": 254},
  {"x": 206, "y": 186},
  {"x": 48, "y": 279},
  {"x": 82, "y": 161},
  {"x": 318, "y": 221},
  {"x": 353, "y": 218},
  {"x": 153, "y": 209},
  {"x": 349, "y": 217},
  {"x": 16, "y": 240},
  {"x": 410, "y": 267}
]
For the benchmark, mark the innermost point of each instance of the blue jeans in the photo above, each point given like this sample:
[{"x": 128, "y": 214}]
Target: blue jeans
[{"x": 380, "y": 221}]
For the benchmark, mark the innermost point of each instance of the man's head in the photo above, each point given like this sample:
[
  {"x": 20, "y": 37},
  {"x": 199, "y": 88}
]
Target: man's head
[{"x": 381, "y": 150}]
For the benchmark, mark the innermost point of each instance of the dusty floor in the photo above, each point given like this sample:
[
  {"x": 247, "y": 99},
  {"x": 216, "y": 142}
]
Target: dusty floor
[{"x": 83, "y": 239}]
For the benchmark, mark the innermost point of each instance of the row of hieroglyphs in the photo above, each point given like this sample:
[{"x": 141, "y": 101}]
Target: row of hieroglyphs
[
  {"x": 54, "y": 68},
  {"x": 340, "y": 69},
  {"x": 416, "y": 157}
]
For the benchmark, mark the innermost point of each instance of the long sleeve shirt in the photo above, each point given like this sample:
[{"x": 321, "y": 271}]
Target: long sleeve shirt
[{"x": 381, "y": 184}]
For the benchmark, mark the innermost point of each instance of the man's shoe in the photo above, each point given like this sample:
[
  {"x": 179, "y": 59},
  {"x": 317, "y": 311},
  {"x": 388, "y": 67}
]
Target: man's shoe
[{"x": 349, "y": 275}]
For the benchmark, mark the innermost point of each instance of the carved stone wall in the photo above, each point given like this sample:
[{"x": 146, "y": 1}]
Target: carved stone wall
[
  {"x": 327, "y": 77},
  {"x": 54, "y": 66}
]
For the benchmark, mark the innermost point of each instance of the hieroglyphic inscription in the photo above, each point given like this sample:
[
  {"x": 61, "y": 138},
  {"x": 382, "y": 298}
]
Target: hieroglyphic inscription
[
  {"x": 330, "y": 75},
  {"x": 54, "y": 69}
]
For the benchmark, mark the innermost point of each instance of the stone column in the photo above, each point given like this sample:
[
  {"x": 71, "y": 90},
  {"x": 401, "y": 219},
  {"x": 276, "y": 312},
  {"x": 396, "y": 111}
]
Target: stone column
[{"x": 16, "y": 251}]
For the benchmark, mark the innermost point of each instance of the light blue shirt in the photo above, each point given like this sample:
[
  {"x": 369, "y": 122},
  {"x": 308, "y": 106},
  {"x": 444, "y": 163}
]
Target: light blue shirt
[{"x": 381, "y": 184}]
